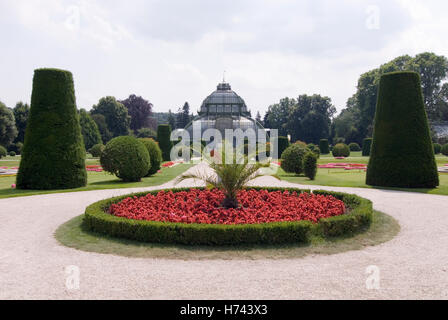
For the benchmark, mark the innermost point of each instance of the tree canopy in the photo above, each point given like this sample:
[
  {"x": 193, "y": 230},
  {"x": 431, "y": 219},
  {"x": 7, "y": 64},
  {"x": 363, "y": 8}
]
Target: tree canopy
[
  {"x": 115, "y": 115},
  {"x": 183, "y": 116},
  {"x": 140, "y": 111},
  {"x": 356, "y": 121},
  {"x": 89, "y": 130},
  {"x": 308, "y": 118},
  {"x": 8, "y": 131},
  {"x": 21, "y": 113}
]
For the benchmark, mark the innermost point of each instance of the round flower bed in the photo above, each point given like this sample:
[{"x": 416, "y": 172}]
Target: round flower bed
[
  {"x": 203, "y": 207},
  {"x": 193, "y": 216}
]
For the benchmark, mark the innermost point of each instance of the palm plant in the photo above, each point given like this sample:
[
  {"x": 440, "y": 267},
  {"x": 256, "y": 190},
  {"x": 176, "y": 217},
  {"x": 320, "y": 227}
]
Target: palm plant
[{"x": 228, "y": 176}]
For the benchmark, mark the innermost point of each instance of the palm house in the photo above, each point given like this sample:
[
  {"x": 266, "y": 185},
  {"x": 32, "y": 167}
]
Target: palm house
[{"x": 224, "y": 109}]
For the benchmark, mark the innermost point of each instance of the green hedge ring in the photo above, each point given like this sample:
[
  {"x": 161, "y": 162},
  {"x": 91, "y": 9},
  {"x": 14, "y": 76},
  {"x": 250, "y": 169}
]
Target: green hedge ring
[{"x": 358, "y": 218}]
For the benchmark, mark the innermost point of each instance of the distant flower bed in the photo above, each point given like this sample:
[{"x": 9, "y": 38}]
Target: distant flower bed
[
  {"x": 346, "y": 166},
  {"x": 94, "y": 168},
  {"x": 170, "y": 164},
  {"x": 203, "y": 207}
]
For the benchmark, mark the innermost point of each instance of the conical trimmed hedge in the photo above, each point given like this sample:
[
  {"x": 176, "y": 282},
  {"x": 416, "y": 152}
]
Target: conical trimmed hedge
[
  {"x": 366, "y": 147},
  {"x": 53, "y": 155},
  {"x": 402, "y": 154},
  {"x": 164, "y": 140}
]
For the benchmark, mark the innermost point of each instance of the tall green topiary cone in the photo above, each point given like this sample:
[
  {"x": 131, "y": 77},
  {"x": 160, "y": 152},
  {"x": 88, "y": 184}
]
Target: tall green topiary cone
[
  {"x": 53, "y": 155},
  {"x": 366, "y": 147},
  {"x": 164, "y": 140},
  {"x": 402, "y": 154}
]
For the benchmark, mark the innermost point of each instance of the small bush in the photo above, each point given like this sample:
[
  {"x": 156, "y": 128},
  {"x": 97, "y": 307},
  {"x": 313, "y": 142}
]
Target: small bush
[
  {"x": 97, "y": 150},
  {"x": 292, "y": 159},
  {"x": 16, "y": 147},
  {"x": 301, "y": 143},
  {"x": 155, "y": 154},
  {"x": 444, "y": 150},
  {"x": 324, "y": 147},
  {"x": 164, "y": 139},
  {"x": 366, "y": 147},
  {"x": 437, "y": 148},
  {"x": 341, "y": 150},
  {"x": 12, "y": 154},
  {"x": 146, "y": 133},
  {"x": 283, "y": 144},
  {"x": 127, "y": 158},
  {"x": 354, "y": 147},
  {"x": 310, "y": 165},
  {"x": 3, "y": 152}
]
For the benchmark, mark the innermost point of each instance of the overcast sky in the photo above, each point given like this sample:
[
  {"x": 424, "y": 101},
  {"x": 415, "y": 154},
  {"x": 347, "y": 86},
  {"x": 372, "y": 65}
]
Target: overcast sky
[{"x": 170, "y": 52}]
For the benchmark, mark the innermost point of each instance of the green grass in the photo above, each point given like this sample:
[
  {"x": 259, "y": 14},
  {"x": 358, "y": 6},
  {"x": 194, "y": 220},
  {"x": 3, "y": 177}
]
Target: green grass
[
  {"x": 73, "y": 234},
  {"x": 96, "y": 180},
  {"x": 357, "y": 178}
]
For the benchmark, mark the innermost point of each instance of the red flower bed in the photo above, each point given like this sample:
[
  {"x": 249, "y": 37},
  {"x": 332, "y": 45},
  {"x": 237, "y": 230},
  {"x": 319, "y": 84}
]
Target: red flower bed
[{"x": 203, "y": 207}]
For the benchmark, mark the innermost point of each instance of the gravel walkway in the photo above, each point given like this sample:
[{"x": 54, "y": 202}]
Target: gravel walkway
[{"x": 412, "y": 266}]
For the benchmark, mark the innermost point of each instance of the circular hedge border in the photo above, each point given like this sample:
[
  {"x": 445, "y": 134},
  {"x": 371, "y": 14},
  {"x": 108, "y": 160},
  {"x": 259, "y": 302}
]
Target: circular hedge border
[{"x": 358, "y": 218}]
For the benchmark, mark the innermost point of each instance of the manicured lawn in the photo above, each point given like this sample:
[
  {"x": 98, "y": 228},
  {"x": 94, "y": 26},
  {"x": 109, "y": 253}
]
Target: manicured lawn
[
  {"x": 357, "y": 178},
  {"x": 96, "y": 180}
]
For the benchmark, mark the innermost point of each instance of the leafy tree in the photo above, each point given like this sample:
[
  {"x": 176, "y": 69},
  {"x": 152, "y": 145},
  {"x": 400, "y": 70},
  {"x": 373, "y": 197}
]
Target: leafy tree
[
  {"x": 89, "y": 129},
  {"x": 21, "y": 112},
  {"x": 310, "y": 119},
  {"x": 100, "y": 121},
  {"x": 171, "y": 119},
  {"x": 140, "y": 111},
  {"x": 433, "y": 70},
  {"x": 357, "y": 122},
  {"x": 183, "y": 116},
  {"x": 277, "y": 116},
  {"x": 258, "y": 117},
  {"x": 146, "y": 133},
  {"x": 8, "y": 131},
  {"x": 115, "y": 114}
]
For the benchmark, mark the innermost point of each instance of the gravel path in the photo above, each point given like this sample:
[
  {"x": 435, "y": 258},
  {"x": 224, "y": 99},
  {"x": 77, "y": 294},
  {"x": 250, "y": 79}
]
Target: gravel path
[{"x": 412, "y": 266}]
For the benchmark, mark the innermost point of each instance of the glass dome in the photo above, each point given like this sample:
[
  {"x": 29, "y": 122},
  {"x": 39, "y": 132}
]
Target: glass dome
[{"x": 224, "y": 109}]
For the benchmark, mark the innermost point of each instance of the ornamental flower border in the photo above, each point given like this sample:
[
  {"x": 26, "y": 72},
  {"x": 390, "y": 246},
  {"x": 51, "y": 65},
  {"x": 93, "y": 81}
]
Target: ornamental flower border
[{"x": 356, "y": 220}]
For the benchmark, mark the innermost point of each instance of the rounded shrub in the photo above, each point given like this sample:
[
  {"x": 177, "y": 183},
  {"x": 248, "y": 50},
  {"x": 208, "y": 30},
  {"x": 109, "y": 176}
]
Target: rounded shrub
[
  {"x": 164, "y": 139},
  {"x": 310, "y": 165},
  {"x": 341, "y": 150},
  {"x": 53, "y": 155},
  {"x": 366, "y": 147},
  {"x": 292, "y": 159},
  {"x": 97, "y": 219},
  {"x": 354, "y": 147},
  {"x": 3, "y": 152},
  {"x": 437, "y": 148},
  {"x": 311, "y": 146},
  {"x": 96, "y": 150},
  {"x": 155, "y": 155},
  {"x": 402, "y": 152},
  {"x": 16, "y": 147},
  {"x": 127, "y": 158},
  {"x": 12, "y": 154},
  {"x": 324, "y": 146},
  {"x": 444, "y": 150}
]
